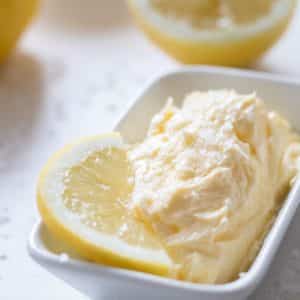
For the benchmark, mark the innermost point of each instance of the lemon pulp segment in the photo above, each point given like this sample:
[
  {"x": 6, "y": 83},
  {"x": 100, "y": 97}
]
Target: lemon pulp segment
[
  {"x": 211, "y": 14},
  {"x": 98, "y": 190}
]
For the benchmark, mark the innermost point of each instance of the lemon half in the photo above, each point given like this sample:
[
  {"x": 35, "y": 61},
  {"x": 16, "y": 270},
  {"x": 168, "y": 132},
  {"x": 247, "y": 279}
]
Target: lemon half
[
  {"x": 83, "y": 196},
  {"x": 219, "y": 32}
]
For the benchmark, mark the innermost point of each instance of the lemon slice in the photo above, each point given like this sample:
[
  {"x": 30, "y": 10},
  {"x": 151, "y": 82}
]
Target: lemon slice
[
  {"x": 83, "y": 195},
  {"x": 221, "y": 32}
]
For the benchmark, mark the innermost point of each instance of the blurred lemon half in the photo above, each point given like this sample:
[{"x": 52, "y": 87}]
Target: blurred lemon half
[
  {"x": 14, "y": 17},
  {"x": 83, "y": 196},
  {"x": 219, "y": 32}
]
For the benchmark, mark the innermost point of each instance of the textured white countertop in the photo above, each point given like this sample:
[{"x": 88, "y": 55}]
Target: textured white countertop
[{"x": 74, "y": 72}]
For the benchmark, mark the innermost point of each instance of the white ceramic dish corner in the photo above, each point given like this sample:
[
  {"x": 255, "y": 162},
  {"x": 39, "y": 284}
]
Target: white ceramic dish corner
[{"x": 98, "y": 281}]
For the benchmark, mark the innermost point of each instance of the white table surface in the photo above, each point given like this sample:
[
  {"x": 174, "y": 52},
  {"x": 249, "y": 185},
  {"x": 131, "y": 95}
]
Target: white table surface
[{"x": 73, "y": 73}]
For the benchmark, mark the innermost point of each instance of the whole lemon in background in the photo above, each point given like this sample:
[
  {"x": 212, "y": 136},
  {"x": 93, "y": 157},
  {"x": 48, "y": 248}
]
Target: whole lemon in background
[
  {"x": 15, "y": 15},
  {"x": 218, "y": 32}
]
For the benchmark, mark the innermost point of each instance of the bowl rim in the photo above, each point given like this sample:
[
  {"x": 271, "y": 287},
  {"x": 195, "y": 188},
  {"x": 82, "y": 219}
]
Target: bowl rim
[
  {"x": 208, "y": 70},
  {"x": 260, "y": 265}
]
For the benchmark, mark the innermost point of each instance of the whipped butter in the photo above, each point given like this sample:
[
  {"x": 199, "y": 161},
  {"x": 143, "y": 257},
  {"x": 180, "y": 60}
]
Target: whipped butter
[{"x": 209, "y": 177}]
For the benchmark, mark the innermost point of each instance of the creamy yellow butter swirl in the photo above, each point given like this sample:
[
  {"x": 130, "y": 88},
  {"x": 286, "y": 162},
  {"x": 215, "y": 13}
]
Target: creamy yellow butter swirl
[{"x": 208, "y": 179}]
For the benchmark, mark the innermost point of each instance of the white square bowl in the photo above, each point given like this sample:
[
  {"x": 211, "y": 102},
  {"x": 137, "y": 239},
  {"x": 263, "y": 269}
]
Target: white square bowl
[{"x": 94, "y": 280}]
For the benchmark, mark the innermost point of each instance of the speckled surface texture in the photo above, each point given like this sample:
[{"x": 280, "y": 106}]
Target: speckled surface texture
[{"x": 74, "y": 72}]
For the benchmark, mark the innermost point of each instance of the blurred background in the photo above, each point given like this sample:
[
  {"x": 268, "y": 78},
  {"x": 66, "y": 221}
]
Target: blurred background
[{"x": 71, "y": 72}]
